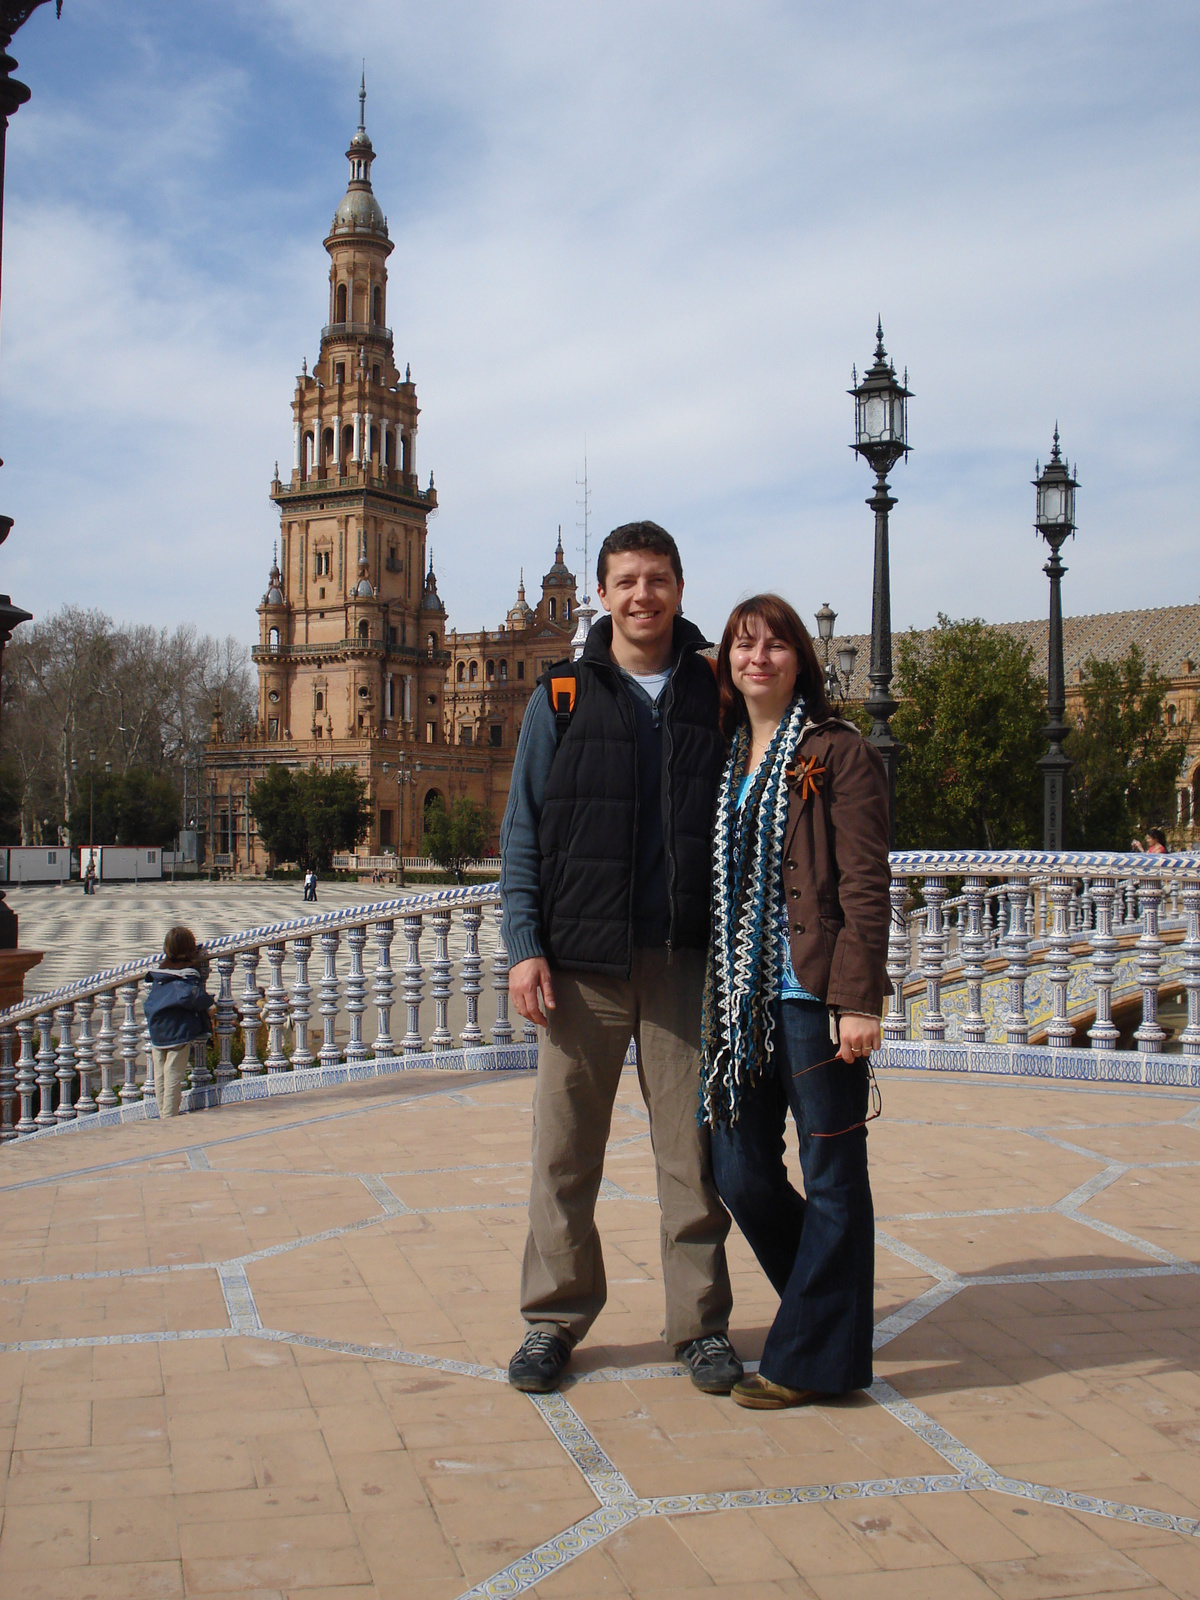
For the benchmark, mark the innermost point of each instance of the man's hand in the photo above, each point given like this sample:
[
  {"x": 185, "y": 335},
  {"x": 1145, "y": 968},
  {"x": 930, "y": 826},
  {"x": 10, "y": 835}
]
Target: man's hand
[
  {"x": 857, "y": 1036},
  {"x": 524, "y": 981}
]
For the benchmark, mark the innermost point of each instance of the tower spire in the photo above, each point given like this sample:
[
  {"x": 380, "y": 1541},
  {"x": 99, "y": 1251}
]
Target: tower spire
[{"x": 362, "y": 101}]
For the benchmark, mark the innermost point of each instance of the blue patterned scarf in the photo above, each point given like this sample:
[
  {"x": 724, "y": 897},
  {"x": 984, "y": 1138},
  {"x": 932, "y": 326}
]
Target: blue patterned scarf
[{"x": 744, "y": 954}]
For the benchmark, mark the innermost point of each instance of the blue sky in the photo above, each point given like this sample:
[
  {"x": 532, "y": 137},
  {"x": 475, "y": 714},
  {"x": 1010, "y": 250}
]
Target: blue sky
[{"x": 663, "y": 228}]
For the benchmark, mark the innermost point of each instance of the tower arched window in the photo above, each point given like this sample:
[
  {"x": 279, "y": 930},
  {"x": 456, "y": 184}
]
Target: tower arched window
[
  {"x": 376, "y": 305},
  {"x": 1171, "y": 715},
  {"x": 567, "y": 609},
  {"x": 473, "y": 672},
  {"x": 389, "y": 445},
  {"x": 431, "y": 641},
  {"x": 347, "y": 442},
  {"x": 553, "y": 608},
  {"x": 310, "y": 454},
  {"x": 273, "y": 640},
  {"x": 327, "y": 443},
  {"x": 490, "y": 671},
  {"x": 341, "y": 303},
  {"x": 462, "y": 671},
  {"x": 364, "y": 631},
  {"x": 504, "y": 672},
  {"x": 319, "y": 703}
]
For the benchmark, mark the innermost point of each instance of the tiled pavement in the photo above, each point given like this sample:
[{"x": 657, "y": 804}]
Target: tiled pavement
[{"x": 260, "y": 1353}]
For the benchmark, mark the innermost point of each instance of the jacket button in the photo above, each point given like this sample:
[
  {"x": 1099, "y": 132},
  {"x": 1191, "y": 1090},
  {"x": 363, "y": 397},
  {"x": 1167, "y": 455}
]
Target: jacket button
[
  {"x": 790, "y": 864},
  {"x": 797, "y": 927},
  {"x": 795, "y": 893}
]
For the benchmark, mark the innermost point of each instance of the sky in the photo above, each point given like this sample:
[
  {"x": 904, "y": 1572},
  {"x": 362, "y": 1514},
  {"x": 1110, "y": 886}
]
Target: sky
[{"x": 655, "y": 232}]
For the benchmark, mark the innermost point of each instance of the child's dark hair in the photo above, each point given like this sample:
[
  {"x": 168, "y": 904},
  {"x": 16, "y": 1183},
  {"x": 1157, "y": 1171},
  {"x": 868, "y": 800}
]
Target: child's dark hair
[
  {"x": 179, "y": 946},
  {"x": 638, "y": 536}
]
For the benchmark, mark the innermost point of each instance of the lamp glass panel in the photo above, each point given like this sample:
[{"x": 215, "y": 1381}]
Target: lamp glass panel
[
  {"x": 875, "y": 417},
  {"x": 1052, "y": 496}
]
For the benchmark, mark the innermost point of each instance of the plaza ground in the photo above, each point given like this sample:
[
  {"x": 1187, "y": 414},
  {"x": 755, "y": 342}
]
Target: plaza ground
[{"x": 260, "y": 1351}]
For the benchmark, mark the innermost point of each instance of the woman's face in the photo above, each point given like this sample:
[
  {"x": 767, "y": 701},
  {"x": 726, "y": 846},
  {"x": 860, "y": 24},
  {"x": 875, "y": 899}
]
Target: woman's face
[{"x": 763, "y": 668}]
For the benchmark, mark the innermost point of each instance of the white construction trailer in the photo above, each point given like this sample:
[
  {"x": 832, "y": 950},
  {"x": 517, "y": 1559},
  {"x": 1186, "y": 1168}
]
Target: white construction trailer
[
  {"x": 118, "y": 863},
  {"x": 34, "y": 863}
]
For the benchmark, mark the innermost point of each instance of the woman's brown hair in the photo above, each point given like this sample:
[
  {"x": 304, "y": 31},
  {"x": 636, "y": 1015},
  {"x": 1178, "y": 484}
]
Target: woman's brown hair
[{"x": 782, "y": 621}]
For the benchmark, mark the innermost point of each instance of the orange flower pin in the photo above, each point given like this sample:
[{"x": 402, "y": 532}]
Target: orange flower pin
[{"x": 805, "y": 776}]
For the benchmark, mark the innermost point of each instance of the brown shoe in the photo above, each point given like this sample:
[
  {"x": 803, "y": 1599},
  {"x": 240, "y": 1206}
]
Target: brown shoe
[{"x": 760, "y": 1394}]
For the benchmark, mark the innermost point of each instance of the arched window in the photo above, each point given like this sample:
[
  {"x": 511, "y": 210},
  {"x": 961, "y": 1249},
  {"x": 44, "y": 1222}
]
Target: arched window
[
  {"x": 504, "y": 672},
  {"x": 431, "y": 641},
  {"x": 273, "y": 640},
  {"x": 490, "y": 670},
  {"x": 310, "y": 454},
  {"x": 320, "y": 701},
  {"x": 340, "y": 315},
  {"x": 567, "y": 609},
  {"x": 1171, "y": 715},
  {"x": 406, "y": 457},
  {"x": 473, "y": 672},
  {"x": 553, "y": 608},
  {"x": 364, "y": 631},
  {"x": 347, "y": 442},
  {"x": 327, "y": 443},
  {"x": 1185, "y": 808},
  {"x": 432, "y": 799},
  {"x": 376, "y": 305},
  {"x": 462, "y": 670}
]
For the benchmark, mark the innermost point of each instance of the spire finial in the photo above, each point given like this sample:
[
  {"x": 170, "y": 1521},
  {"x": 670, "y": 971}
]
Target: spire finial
[
  {"x": 362, "y": 101},
  {"x": 880, "y": 352},
  {"x": 1055, "y": 456},
  {"x": 558, "y": 549}
]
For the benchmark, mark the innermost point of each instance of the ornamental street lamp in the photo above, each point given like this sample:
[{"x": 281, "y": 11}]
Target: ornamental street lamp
[
  {"x": 405, "y": 774},
  {"x": 1055, "y": 520},
  {"x": 881, "y": 438},
  {"x": 837, "y": 679}
]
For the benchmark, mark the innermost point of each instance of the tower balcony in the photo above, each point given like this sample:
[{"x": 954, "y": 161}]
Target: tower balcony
[{"x": 353, "y": 331}]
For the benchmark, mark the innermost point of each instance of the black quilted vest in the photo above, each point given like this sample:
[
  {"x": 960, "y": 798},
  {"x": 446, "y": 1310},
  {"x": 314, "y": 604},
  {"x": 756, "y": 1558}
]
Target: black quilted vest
[{"x": 588, "y": 828}]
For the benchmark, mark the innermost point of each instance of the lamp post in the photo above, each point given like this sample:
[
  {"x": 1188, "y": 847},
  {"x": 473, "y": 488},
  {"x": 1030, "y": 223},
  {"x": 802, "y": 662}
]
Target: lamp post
[
  {"x": 405, "y": 774},
  {"x": 1055, "y": 520},
  {"x": 837, "y": 679},
  {"x": 881, "y": 438}
]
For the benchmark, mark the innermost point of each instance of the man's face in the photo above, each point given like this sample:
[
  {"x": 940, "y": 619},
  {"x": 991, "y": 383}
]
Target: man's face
[{"x": 641, "y": 593}]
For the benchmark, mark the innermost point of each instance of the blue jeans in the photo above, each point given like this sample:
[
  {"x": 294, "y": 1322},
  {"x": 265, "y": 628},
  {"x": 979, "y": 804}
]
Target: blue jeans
[{"x": 818, "y": 1250}]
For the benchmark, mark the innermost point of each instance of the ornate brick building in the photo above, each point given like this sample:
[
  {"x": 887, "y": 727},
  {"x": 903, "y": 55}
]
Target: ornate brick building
[{"x": 354, "y": 664}]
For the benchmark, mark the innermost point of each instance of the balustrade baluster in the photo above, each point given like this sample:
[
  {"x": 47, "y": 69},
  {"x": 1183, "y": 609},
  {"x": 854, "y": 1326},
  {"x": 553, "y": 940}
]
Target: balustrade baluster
[
  {"x": 385, "y": 990},
  {"x": 146, "y": 1050},
  {"x": 971, "y": 944},
  {"x": 106, "y": 1041},
  {"x": 26, "y": 1076},
  {"x": 414, "y": 988},
  {"x": 45, "y": 1071},
  {"x": 226, "y": 1019},
  {"x": 330, "y": 1055},
  {"x": 439, "y": 987},
  {"x": 199, "y": 1077},
  {"x": 1016, "y": 946},
  {"x": 130, "y": 1034},
  {"x": 1150, "y": 1034},
  {"x": 502, "y": 1030},
  {"x": 356, "y": 994},
  {"x": 85, "y": 1057},
  {"x": 275, "y": 1010},
  {"x": 302, "y": 1056},
  {"x": 472, "y": 966},
  {"x": 251, "y": 1066},
  {"x": 895, "y": 1024},
  {"x": 1058, "y": 960},
  {"x": 1190, "y": 1037},
  {"x": 8, "y": 1086},
  {"x": 932, "y": 947},
  {"x": 989, "y": 925},
  {"x": 1131, "y": 911},
  {"x": 64, "y": 1063},
  {"x": 1104, "y": 892}
]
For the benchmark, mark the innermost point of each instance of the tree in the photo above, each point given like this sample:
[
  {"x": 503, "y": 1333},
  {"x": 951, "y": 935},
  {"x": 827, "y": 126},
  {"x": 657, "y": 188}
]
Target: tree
[
  {"x": 1126, "y": 758},
  {"x": 275, "y": 806},
  {"x": 455, "y": 834},
  {"x": 971, "y": 717},
  {"x": 136, "y": 807},
  {"x": 306, "y": 816}
]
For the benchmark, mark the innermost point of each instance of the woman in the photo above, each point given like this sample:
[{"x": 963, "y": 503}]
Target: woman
[{"x": 795, "y": 989}]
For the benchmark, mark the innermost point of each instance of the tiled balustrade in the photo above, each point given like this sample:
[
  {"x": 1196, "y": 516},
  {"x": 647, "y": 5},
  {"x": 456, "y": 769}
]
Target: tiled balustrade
[
  {"x": 1077, "y": 925},
  {"x": 81, "y": 1053}
]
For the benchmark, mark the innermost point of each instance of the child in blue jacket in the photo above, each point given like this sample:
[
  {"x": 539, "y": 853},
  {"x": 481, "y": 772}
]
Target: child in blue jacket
[{"x": 177, "y": 1009}]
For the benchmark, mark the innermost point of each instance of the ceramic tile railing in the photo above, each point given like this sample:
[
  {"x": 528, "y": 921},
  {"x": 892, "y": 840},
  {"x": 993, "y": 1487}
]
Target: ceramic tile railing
[
  {"x": 82, "y": 1051},
  {"x": 1069, "y": 913}
]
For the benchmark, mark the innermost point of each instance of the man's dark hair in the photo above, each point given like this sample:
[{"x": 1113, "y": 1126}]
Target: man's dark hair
[{"x": 638, "y": 536}]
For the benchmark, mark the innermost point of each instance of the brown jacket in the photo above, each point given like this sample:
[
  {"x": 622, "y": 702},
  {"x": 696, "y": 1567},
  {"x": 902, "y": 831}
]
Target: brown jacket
[{"x": 835, "y": 867}]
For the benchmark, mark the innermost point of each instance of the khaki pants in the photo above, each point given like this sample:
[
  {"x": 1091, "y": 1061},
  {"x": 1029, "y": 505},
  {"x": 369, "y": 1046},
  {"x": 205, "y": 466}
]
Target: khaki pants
[
  {"x": 170, "y": 1074},
  {"x": 579, "y": 1066}
]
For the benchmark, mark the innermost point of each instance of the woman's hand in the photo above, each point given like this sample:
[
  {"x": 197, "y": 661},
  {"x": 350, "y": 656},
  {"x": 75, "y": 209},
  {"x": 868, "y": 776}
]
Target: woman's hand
[{"x": 858, "y": 1036}]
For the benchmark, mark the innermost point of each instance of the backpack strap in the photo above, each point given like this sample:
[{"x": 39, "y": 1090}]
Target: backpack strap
[{"x": 562, "y": 689}]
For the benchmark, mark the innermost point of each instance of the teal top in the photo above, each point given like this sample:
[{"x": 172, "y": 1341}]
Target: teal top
[{"x": 790, "y": 987}]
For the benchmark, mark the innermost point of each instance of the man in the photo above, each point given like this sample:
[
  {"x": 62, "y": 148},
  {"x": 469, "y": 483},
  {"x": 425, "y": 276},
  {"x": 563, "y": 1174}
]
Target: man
[{"x": 605, "y": 889}]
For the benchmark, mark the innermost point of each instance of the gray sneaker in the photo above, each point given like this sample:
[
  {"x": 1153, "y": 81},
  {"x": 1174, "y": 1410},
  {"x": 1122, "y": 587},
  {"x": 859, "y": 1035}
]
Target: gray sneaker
[
  {"x": 538, "y": 1366},
  {"x": 713, "y": 1363}
]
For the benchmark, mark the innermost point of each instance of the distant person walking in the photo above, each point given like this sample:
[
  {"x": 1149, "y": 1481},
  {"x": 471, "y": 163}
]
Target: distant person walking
[{"x": 177, "y": 1009}]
